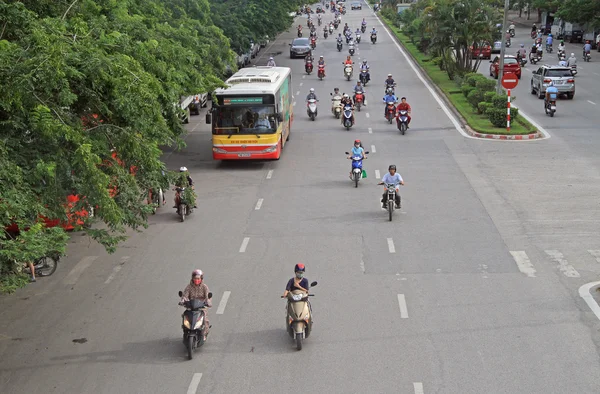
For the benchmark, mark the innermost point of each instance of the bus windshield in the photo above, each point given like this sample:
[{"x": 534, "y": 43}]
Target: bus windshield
[{"x": 244, "y": 120}]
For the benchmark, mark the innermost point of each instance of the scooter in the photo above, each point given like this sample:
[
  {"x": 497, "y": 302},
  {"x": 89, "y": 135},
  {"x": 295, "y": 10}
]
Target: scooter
[
  {"x": 550, "y": 108},
  {"x": 299, "y": 33},
  {"x": 298, "y": 316},
  {"x": 402, "y": 121},
  {"x": 512, "y": 32},
  {"x": 522, "y": 61},
  {"x": 183, "y": 208},
  {"x": 587, "y": 57},
  {"x": 363, "y": 28},
  {"x": 390, "y": 112},
  {"x": 321, "y": 72},
  {"x": 325, "y": 34},
  {"x": 336, "y": 105},
  {"x": 548, "y": 48},
  {"x": 373, "y": 38},
  {"x": 193, "y": 324},
  {"x": 44, "y": 266},
  {"x": 561, "y": 55},
  {"x": 348, "y": 116},
  {"x": 157, "y": 199},
  {"x": 359, "y": 97},
  {"x": 507, "y": 43},
  {"x": 390, "y": 88},
  {"x": 348, "y": 71},
  {"x": 391, "y": 189},
  {"x": 364, "y": 77},
  {"x": 311, "y": 109},
  {"x": 357, "y": 168},
  {"x": 330, "y": 29},
  {"x": 357, "y": 38},
  {"x": 313, "y": 42},
  {"x": 308, "y": 66},
  {"x": 351, "y": 48},
  {"x": 574, "y": 69},
  {"x": 339, "y": 46}
]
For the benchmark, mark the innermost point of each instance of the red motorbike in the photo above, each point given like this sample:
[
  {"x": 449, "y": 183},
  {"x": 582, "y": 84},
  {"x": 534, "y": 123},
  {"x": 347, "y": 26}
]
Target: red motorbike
[
  {"x": 359, "y": 98},
  {"x": 390, "y": 112},
  {"x": 321, "y": 71},
  {"x": 308, "y": 66},
  {"x": 313, "y": 42}
]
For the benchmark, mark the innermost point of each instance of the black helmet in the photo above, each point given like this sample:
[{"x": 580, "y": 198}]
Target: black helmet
[{"x": 392, "y": 167}]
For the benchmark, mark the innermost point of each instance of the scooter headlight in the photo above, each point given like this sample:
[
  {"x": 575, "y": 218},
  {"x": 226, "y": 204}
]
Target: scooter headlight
[
  {"x": 186, "y": 323},
  {"x": 199, "y": 323}
]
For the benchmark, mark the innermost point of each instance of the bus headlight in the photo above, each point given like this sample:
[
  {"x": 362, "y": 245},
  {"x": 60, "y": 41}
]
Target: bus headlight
[
  {"x": 270, "y": 149},
  {"x": 219, "y": 150}
]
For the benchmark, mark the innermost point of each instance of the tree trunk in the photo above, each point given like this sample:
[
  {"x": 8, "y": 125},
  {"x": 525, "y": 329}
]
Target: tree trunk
[{"x": 520, "y": 12}]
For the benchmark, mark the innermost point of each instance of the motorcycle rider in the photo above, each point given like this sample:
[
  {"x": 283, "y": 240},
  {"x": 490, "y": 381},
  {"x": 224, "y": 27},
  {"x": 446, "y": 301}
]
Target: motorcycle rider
[
  {"x": 364, "y": 23},
  {"x": 511, "y": 26},
  {"x": 271, "y": 62},
  {"x": 389, "y": 82},
  {"x": 562, "y": 63},
  {"x": 365, "y": 67},
  {"x": 348, "y": 61},
  {"x": 561, "y": 46},
  {"x": 587, "y": 48},
  {"x": 534, "y": 28},
  {"x": 549, "y": 41},
  {"x": 388, "y": 98},
  {"x": 533, "y": 52},
  {"x": 185, "y": 181},
  {"x": 551, "y": 94},
  {"x": 346, "y": 100},
  {"x": 572, "y": 61},
  {"x": 357, "y": 150},
  {"x": 300, "y": 29},
  {"x": 359, "y": 88},
  {"x": 321, "y": 62},
  {"x": 340, "y": 39},
  {"x": 298, "y": 282},
  {"x": 539, "y": 50},
  {"x": 309, "y": 58},
  {"x": 394, "y": 178},
  {"x": 404, "y": 106},
  {"x": 198, "y": 290},
  {"x": 521, "y": 53},
  {"x": 311, "y": 95}
]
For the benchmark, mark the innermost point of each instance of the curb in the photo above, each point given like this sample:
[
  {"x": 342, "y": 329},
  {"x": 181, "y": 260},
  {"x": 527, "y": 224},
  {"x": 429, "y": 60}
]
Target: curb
[
  {"x": 585, "y": 292},
  {"x": 442, "y": 95}
]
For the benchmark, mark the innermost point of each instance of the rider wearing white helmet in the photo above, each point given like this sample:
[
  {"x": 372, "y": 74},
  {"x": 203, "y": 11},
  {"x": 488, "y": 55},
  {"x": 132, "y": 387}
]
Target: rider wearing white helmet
[{"x": 271, "y": 62}]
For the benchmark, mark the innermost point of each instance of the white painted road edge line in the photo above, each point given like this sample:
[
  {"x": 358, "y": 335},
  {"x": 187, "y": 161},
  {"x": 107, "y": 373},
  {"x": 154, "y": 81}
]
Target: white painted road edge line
[
  {"x": 584, "y": 292},
  {"x": 403, "y": 308},
  {"x": 370, "y": 130},
  {"x": 591, "y": 102},
  {"x": 258, "y": 204},
  {"x": 76, "y": 272},
  {"x": 194, "y": 383},
  {"x": 244, "y": 244},
  {"x": 373, "y": 149},
  {"x": 439, "y": 100},
  {"x": 523, "y": 263},
  {"x": 269, "y": 174},
  {"x": 223, "y": 303},
  {"x": 390, "y": 243},
  {"x": 418, "y": 386},
  {"x": 377, "y": 174}
]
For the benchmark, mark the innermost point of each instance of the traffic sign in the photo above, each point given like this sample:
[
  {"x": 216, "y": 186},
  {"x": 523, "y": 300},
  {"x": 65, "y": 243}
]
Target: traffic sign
[{"x": 510, "y": 81}]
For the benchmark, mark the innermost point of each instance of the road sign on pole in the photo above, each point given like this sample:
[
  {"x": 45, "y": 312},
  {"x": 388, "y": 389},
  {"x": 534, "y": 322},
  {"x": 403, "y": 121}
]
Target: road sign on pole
[{"x": 509, "y": 81}]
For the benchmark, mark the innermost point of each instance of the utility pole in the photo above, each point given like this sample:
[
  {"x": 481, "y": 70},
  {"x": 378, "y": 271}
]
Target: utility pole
[{"x": 502, "y": 48}]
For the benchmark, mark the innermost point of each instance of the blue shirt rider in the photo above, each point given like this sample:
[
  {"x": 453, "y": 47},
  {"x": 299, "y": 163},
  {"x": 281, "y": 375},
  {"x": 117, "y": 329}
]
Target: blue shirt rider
[
  {"x": 357, "y": 150},
  {"x": 549, "y": 40},
  {"x": 388, "y": 98},
  {"x": 587, "y": 48},
  {"x": 551, "y": 93}
]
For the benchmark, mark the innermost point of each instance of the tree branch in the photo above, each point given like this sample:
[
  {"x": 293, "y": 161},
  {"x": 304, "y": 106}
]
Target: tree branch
[
  {"x": 3, "y": 27},
  {"x": 69, "y": 9}
]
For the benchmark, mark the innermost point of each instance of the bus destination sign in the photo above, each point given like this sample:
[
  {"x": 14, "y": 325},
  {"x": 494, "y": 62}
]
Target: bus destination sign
[{"x": 242, "y": 100}]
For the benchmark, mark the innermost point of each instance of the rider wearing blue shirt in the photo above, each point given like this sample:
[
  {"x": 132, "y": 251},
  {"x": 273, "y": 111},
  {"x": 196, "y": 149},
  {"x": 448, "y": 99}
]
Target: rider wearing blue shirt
[
  {"x": 587, "y": 48},
  {"x": 388, "y": 98},
  {"x": 551, "y": 94},
  {"x": 357, "y": 150},
  {"x": 394, "y": 178}
]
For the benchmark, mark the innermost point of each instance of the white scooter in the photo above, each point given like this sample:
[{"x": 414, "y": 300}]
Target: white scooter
[
  {"x": 298, "y": 316},
  {"x": 311, "y": 108}
]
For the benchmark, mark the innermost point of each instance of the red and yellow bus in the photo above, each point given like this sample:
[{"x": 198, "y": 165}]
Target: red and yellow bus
[{"x": 252, "y": 117}]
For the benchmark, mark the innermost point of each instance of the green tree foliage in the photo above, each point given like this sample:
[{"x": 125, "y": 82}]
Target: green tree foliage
[
  {"x": 447, "y": 29},
  {"x": 245, "y": 20},
  {"x": 79, "y": 80},
  {"x": 585, "y": 12}
]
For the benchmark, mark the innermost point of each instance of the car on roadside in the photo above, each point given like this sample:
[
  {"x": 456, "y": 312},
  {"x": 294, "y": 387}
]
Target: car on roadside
[
  {"x": 497, "y": 47},
  {"x": 561, "y": 77},
  {"x": 482, "y": 50},
  {"x": 356, "y": 6},
  {"x": 511, "y": 65},
  {"x": 300, "y": 47}
]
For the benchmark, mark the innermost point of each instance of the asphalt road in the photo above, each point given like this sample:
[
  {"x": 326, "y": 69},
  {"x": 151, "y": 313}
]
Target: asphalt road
[{"x": 473, "y": 288}]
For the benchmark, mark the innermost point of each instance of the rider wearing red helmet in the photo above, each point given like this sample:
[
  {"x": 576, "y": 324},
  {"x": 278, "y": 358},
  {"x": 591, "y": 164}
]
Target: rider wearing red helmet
[
  {"x": 298, "y": 282},
  {"x": 198, "y": 290}
]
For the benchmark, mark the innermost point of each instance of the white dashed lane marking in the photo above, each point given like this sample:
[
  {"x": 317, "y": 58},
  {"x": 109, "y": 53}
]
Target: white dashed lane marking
[
  {"x": 403, "y": 308},
  {"x": 76, "y": 272},
  {"x": 418, "y": 386},
  {"x": 523, "y": 263},
  {"x": 367, "y": 115},
  {"x": 377, "y": 174},
  {"x": 258, "y": 204},
  {"x": 223, "y": 303},
  {"x": 244, "y": 244},
  {"x": 116, "y": 269},
  {"x": 391, "y": 246},
  {"x": 595, "y": 254},
  {"x": 370, "y": 130},
  {"x": 591, "y": 102},
  {"x": 563, "y": 265},
  {"x": 193, "y": 387},
  {"x": 373, "y": 150},
  {"x": 269, "y": 174}
]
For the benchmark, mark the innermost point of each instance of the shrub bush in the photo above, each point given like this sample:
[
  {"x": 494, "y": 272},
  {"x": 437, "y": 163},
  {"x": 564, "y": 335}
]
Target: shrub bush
[
  {"x": 486, "y": 85},
  {"x": 466, "y": 89},
  {"x": 473, "y": 79},
  {"x": 475, "y": 97},
  {"x": 488, "y": 96},
  {"x": 482, "y": 107},
  {"x": 499, "y": 101},
  {"x": 496, "y": 116}
]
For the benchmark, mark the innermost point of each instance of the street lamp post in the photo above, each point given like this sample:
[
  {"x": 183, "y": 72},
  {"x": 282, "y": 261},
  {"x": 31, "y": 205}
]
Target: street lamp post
[{"x": 502, "y": 48}]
